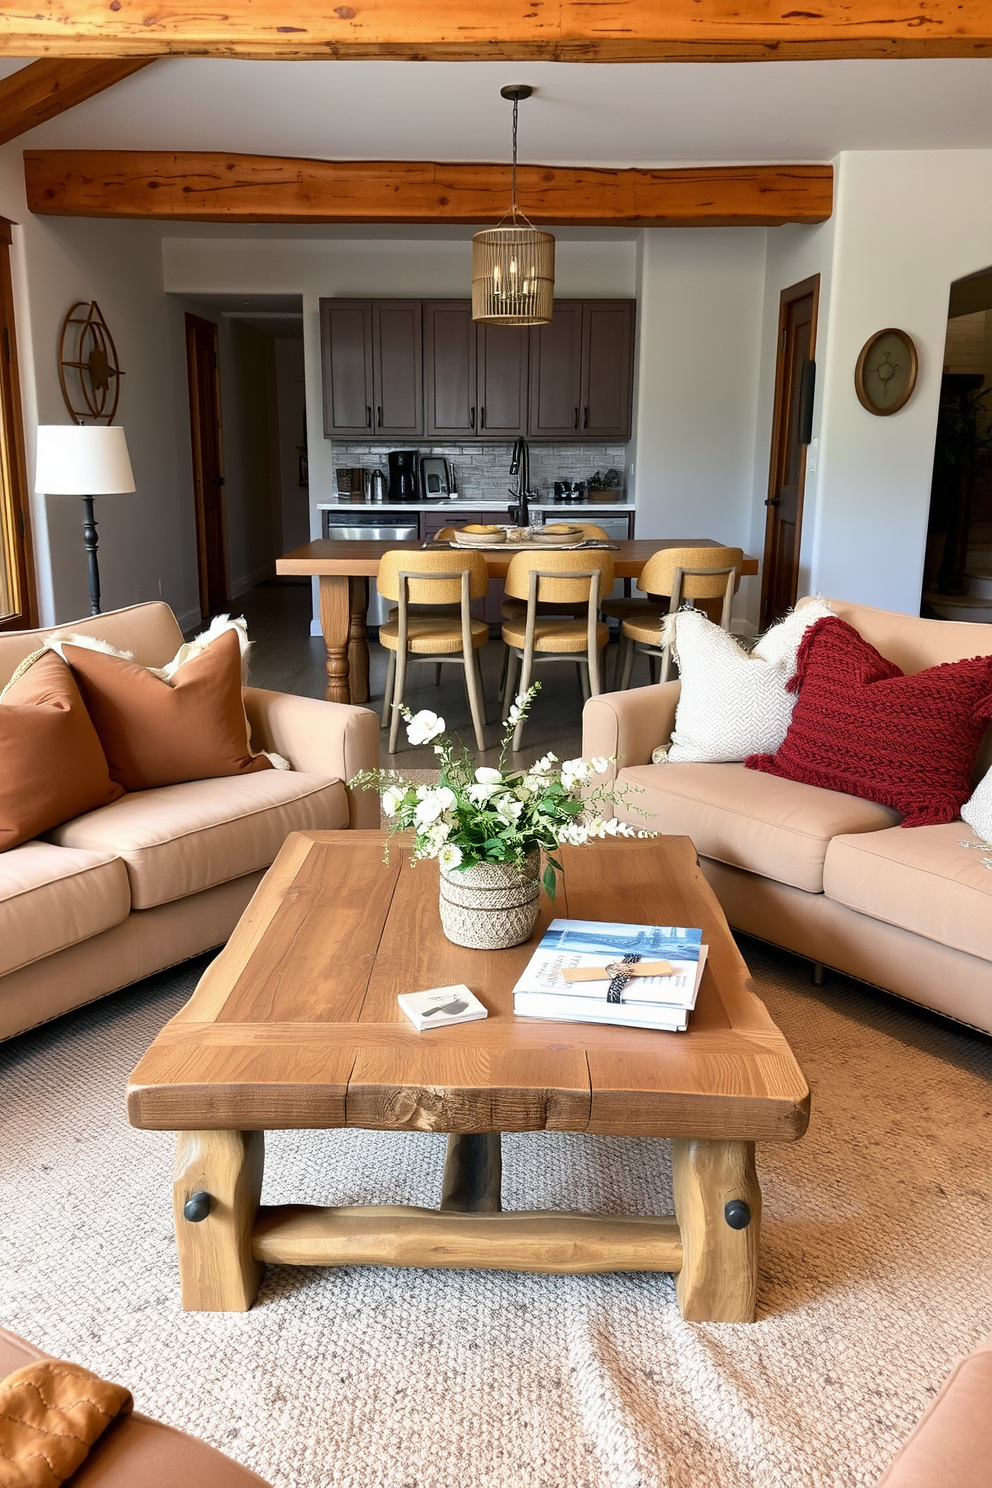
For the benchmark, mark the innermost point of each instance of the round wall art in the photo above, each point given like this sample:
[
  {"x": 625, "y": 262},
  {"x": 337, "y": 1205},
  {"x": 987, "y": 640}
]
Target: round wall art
[
  {"x": 885, "y": 374},
  {"x": 89, "y": 372}
]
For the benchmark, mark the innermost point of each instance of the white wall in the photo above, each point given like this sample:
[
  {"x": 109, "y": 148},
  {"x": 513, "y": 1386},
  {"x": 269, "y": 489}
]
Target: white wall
[
  {"x": 905, "y": 226},
  {"x": 147, "y": 543}
]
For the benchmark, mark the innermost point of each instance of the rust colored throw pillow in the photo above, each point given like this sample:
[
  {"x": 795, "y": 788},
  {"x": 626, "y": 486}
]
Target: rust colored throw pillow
[
  {"x": 156, "y": 732},
  {"x": 862, "y": 726},
  {"x": 52, "y": 765}
]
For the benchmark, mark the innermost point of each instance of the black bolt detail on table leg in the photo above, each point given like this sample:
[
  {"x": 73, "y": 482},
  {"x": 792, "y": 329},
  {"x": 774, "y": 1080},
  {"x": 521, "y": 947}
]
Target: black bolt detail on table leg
[
  {"x": 737, "y": 1214},
  {"x": 197, "y": 1207}
]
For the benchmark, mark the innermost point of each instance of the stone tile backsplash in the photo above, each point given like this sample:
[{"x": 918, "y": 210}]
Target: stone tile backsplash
[{"x": 482, "y": 470}]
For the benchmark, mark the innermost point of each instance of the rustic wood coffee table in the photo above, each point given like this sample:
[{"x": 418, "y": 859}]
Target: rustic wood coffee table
[{"x": 295, "y": 1024}]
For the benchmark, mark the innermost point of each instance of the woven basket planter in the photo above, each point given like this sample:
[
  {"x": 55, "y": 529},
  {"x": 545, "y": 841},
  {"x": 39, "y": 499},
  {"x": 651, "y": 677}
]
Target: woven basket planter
[{"x": 491, "y": 906}]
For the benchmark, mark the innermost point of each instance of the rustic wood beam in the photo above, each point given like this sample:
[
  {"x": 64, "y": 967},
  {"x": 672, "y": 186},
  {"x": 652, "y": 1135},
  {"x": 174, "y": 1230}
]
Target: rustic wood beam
[
  {"x": 473, "y": 30},
  {"x": 44, "y": 89},
  {"x": 203, "y": 187}
]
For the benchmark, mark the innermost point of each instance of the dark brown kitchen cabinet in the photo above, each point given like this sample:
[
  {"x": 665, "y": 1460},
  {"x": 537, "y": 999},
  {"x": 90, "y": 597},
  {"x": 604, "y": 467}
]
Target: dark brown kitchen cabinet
[
  {"x": 502, "y": 380},
  {"x": 556, "y": 374},
  {"x": 607, "y": 369},
  {"x": 450, "y": 377},
  {"x": 397, "y": 369},
  {"x": 346, "y": 362}
]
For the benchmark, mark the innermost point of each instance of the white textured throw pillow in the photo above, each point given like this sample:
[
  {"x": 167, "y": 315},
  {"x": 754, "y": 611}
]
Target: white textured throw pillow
[
  {"x": 734, "y": 702},
  {"x": 978, "y": 811}
]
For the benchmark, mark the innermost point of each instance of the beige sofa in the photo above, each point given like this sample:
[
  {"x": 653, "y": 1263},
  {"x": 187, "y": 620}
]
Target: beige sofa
[
  {"x": 164, "y": 874},
  {"x": 827, "y": 875}
]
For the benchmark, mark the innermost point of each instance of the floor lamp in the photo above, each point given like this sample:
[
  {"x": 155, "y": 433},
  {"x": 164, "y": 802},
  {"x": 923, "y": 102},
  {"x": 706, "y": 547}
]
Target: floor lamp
[{"x": 84, "y": 460}]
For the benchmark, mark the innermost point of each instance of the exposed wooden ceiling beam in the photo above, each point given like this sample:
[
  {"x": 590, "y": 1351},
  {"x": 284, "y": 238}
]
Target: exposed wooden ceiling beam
[
  {"x": 202, "y": 187},
  {"x": 43, "y": 89},
  {"x": 472, "y": 30}
]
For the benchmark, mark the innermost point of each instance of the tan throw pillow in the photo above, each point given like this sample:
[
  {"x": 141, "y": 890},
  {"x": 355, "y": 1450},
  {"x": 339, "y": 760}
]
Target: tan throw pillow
[
  {"x": 160, "y": 732},
  {"x": 52, "y": 765}
]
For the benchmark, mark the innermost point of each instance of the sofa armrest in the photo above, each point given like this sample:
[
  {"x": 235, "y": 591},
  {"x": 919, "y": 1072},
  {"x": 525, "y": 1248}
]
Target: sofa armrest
[
  {"x": 322, "y": 738},
  {"x": 627, "y": 726}
]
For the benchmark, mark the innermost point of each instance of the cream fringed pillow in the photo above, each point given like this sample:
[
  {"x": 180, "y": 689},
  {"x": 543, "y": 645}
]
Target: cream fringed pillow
[
  {"x": 733, "y": 702},
  {"x": 977, "y": 811}
]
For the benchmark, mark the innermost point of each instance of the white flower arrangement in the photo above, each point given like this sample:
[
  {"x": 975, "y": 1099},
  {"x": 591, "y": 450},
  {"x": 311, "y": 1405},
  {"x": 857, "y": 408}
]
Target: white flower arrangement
[{"x": 480, "y": 814}]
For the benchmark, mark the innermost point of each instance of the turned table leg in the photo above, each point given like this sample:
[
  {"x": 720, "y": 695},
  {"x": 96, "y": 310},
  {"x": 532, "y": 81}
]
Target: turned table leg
[
  {"x": 358, "y": 640},
  {"x": 718, "y": 1206},
  {"x": 473, "y": 1173},
  {"x": 217, "y": 1181},
  {"x": 335, "y": 622}
]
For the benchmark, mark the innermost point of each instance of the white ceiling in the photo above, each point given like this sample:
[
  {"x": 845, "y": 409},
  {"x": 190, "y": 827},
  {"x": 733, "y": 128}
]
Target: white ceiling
[{"x": 657, "y": 114}]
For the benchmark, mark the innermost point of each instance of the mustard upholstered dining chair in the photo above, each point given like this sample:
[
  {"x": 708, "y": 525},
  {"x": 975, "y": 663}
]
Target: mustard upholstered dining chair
[
  {"x": 516, "y": 609},
  {"x": 703, "y": 576},
  {"x": 444, "y": 534},
  {"x": 556, "y": 579},
  {"x": 428, "y": 579}
]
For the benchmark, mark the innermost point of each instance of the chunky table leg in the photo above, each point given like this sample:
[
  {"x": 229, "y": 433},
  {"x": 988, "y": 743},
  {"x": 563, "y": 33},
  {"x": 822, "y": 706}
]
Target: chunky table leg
[
  {"x": 718, "y": 1206},
  {"x": 473, "y": 1173},
  {"x": 217, "y": 1181},
  {"x": 358, "y": 640},
  {"x": 335, "y": 622}
]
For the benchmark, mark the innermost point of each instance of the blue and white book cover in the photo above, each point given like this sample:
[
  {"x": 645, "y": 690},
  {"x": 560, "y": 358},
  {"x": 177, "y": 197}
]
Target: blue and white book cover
[{"x": 590, "y": 944}]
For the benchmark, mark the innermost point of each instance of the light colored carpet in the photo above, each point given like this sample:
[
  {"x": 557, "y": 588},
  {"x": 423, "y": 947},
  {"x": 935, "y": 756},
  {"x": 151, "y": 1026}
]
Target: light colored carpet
[{"x": 876, "y": 1274}]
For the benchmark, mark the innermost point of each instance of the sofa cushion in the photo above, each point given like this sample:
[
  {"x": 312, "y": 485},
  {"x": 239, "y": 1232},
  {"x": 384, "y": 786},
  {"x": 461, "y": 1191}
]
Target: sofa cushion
[
  {"x": 53, "y": 897},
  {"x": 183, "y": 838},
  {"x": 924, "y": 881},
  {"x": 777, "y": 828},
  {"x": 952, "y": 1442}
]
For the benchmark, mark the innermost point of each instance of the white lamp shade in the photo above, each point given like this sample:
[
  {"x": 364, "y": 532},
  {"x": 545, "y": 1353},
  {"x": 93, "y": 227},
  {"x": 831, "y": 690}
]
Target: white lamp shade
[{"x": 82, "y": 460}]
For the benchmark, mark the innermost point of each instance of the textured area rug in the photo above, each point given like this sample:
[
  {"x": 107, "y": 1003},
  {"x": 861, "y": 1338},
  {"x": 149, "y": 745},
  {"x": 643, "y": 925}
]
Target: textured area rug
[{"x": 876, "y": 1273}]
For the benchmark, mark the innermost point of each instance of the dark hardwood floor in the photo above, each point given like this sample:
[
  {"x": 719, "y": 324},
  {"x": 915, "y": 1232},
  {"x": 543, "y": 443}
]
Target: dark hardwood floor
[{"x": 287, "y": 658}]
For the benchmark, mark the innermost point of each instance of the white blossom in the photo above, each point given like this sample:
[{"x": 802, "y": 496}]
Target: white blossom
[
  {"x": 508, "y": 808},
  {"x": 575, "y": 769},
  {"x": 599, "y": 764},
  {"x": 429, "y": 808},
  {"x": 450, "y": 856},
  {"x": 392, "y": 799},
  {"x": 424, "y": 726}
]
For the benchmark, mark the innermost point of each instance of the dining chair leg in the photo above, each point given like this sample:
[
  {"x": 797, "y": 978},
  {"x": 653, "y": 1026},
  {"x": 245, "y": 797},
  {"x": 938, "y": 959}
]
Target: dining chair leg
[
  {"x": 475, "y": 703},
  {"x": 387, "y": 695},
  {"x": 526, "y": 668},
  {"x": 509, "y": 688},
  {"x": 628, "y": 664},
  {"x": 623, "y": 645},
  {"x": 584, "y": 679},
  {"x": 652, "y": 667},
  {"x": 398, "y": 688},
  {"x": 437, "y": 674},
  {"x": 504, "y": 664}
]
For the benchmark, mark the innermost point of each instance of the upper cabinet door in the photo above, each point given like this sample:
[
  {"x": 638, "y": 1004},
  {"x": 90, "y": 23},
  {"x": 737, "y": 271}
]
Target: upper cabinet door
[
  {"x": 502, "y": 380},
  {"x": 555, "y": 374},
  {"x": 346, "y": 360},
  {"x": 607, "y": 369},
  {"x": 397, "y": 366},
  {"x": 450, "y": 395}
]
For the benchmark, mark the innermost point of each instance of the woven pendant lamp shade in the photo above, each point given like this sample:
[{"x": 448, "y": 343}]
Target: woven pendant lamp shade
[{"x": 513, "y": 275}]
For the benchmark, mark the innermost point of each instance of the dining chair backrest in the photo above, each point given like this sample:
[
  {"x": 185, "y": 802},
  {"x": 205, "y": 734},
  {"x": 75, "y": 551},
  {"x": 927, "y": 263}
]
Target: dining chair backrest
[
  {"x": 564, "y": 577},
  {"x": 431, "y": 578},
  {"x": 658, "y": 573},
  {"x": 444, "y": 534}
]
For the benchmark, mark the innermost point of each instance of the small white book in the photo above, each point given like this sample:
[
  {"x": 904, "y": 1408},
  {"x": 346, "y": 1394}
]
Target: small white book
[{"x": 441, "y": 1005}]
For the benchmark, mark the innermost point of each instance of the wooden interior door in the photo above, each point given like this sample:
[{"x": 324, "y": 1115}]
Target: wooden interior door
[
  {"x": 18, "y": 607},
  {"x": 790, "y": 436},
  {"x": 202, "y": 364}
]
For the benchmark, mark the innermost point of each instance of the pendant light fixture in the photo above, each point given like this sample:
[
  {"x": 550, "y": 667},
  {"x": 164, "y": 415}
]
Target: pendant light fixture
[{"x": 513, "y": 264}]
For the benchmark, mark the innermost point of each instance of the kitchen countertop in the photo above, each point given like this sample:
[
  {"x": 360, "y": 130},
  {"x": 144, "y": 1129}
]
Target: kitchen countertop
[{"x": 473, "y": 504}]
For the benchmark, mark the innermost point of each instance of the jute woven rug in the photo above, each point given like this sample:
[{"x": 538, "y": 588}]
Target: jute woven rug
[{"x": 876, "y": 1274}]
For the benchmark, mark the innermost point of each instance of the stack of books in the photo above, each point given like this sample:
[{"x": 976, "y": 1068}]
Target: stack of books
[{"x": 596, "y": 971}]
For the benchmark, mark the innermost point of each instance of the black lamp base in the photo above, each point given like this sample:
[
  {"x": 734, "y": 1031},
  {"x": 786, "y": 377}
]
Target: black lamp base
[{"x": 89, "y": 537}]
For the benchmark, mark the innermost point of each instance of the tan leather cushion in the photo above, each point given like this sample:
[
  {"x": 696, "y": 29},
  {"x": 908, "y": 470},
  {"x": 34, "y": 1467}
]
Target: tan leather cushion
[
  {"x": 183, "y": 838},
  {"x": 920, "y": 879},
  {"x": 137, "y": 1452},
  {"x": 778, "y": 828},
  {"x": 53, "y": 897},
  {"x": 951, "y": 1446},
  {"x": 156, "y": 733},
  {"x": 52, "y": 765}
]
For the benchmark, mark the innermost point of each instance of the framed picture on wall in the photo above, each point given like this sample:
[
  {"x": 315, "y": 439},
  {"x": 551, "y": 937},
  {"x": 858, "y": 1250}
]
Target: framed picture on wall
[{"x": 885, "y": 372}]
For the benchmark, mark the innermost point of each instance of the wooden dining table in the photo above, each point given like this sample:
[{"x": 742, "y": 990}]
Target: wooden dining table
[{"x": 344, "y": 570}]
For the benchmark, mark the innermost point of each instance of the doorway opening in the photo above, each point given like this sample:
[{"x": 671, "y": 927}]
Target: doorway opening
[
  {"x": 792, "y": 423},
  {"x": 957, "y": 574}
]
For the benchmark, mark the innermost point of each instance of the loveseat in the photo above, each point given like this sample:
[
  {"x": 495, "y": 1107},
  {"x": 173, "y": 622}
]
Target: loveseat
[
  {"x": 160, "y": 875},
  {"x": 827, "y": 875}
]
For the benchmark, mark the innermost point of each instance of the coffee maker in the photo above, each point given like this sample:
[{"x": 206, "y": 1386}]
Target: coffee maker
[{"x": 402, "y": 475}]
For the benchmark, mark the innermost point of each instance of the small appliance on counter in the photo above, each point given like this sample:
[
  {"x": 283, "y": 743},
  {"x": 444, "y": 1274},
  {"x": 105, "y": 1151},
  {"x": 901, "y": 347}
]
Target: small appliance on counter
[
  {"x": 436, "y": 480},
  {"x": 570, "y": 490},
  {"x": 351, "y": 482},
  {"x": 402, "y": 475},
  {"x": 377, "y": 486}
]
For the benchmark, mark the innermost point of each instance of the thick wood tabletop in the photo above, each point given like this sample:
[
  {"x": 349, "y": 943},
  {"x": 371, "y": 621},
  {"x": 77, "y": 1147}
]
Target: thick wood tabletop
[
  {"x": 358, "y": 558},
  {"x": 296, "y": 1023}
]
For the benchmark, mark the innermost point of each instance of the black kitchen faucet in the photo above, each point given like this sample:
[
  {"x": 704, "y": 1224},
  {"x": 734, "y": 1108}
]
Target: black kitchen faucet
[{"x": 520, "y": 467}]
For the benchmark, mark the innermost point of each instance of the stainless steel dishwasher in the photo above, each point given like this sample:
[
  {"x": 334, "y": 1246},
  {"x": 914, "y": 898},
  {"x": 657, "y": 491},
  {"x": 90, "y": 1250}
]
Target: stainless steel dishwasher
[{"x": 371, "y": 526}]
